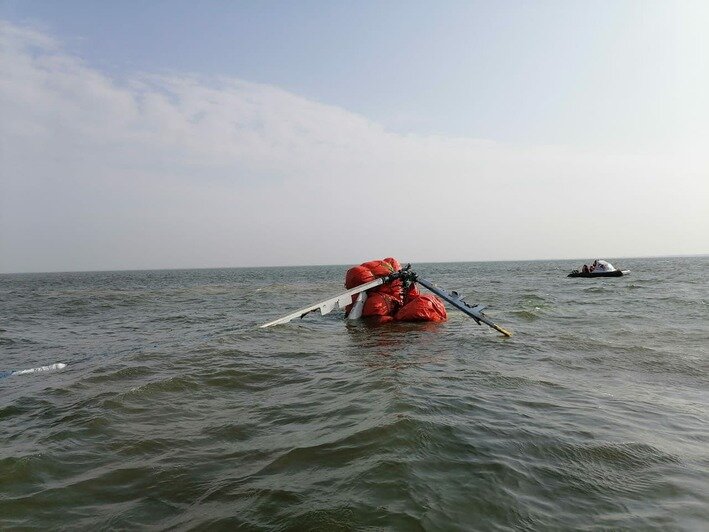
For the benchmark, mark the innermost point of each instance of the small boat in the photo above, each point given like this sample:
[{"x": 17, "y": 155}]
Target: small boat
[
  {"x": 599, "y": 268},
  {"x": 614, "y": 273}
]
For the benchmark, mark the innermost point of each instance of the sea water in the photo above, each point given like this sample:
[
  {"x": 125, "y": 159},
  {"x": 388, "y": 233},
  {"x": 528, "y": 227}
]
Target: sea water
[{"x": 174, "y": 410}]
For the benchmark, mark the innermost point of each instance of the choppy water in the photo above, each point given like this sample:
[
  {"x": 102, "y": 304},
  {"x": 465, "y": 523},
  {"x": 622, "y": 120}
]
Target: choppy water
[{"x": 176, "y": 411}]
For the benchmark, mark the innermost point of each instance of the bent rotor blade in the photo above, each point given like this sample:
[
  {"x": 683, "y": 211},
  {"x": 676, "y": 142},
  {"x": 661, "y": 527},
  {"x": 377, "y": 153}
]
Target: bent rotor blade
[
  {"x": 327, "y": 306},
  {"x": 474, "y": 311}
]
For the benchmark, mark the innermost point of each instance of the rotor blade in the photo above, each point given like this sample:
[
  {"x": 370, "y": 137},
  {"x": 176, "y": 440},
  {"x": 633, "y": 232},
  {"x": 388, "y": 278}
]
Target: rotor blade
[
  {"x": 327, "y": 306},
  {"x": 456, "y": 300}
]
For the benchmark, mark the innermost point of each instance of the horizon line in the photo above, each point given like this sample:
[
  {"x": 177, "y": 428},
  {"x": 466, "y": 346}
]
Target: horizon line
[{"x": 190, "y": 268}]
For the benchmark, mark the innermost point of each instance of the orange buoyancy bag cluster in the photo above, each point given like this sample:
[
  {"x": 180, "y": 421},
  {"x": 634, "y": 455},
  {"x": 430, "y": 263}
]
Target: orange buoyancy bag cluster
[
  {"x": 422, "y": 308},
  {"x": 388, "y": 302}
]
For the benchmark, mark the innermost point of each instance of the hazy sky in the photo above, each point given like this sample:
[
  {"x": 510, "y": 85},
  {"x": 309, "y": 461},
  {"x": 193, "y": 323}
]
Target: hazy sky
[{"x": 185, "y": 134}]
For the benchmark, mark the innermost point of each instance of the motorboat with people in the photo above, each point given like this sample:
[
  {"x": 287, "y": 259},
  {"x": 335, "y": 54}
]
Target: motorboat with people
[{"x": 599, "y": 268}]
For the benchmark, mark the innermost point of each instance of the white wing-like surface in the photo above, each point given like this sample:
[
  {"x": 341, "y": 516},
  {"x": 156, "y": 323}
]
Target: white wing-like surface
[{"x": 327, "y": 306}]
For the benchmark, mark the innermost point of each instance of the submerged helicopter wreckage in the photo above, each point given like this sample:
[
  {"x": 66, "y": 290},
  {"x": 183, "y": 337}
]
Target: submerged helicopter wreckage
[{"x": 381, "y": 291}]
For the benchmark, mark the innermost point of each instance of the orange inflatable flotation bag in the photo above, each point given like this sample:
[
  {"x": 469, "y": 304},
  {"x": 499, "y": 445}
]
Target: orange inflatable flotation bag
[
  {"x": 390, "y": 301},
  {"x": 357, "y": 276},
  {"x": 381, "y": 307},
  {"x": 368, "y": 272},
  {"x": 422, "y": 307}
]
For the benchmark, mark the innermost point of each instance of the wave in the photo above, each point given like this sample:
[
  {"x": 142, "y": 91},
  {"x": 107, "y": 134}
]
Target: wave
[{"x": 526, "y": 315}]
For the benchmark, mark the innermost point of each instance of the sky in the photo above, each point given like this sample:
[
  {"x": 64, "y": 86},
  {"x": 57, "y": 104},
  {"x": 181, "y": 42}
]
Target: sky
[{"x": 138, "y": 135}]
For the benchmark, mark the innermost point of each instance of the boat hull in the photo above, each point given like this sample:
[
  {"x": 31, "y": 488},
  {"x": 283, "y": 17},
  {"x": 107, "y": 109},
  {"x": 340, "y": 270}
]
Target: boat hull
[{"x": 614, "y": 273}]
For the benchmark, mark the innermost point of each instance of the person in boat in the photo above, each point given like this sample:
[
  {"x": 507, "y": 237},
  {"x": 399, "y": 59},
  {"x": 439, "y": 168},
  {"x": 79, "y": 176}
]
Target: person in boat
[
  {"x": 585, "y": 269},
  {"x": 601, "y": 266}
]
